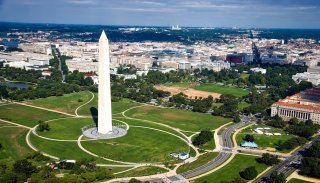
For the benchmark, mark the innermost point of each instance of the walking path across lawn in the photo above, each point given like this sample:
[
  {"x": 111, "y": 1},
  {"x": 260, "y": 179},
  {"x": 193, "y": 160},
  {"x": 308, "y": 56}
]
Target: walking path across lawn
[
  {"x": 46, "y": 109},
  {"x": 175, "y": 129},
  {"x": 76, "y": 111}
]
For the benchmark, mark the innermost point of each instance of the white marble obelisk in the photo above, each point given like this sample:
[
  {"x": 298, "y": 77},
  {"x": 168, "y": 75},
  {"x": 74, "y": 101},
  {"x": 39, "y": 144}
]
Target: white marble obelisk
[{"x": 104, "y": 103}]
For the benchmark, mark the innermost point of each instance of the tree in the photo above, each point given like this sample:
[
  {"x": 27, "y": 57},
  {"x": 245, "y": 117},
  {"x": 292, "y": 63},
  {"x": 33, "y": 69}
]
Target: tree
[
  {"x": 204, "y": 137},
  {"x": 43, "y": 126},
  {"x": 249, "y": 173},
  {"x": 24, "y": 167},
  {"x": 311, "y": 167},
  {"x": 134, "y": 181},
  {"x": 268, "y": 159},
  {"x": 237, "y": 118},
  {"x": 276, "y": 177},
  {"x": 9, "y": 177},
  {"x": 249, "y": 138},
  {"x": 294, "y": 121},
  {"x": 314, "y": 150}
]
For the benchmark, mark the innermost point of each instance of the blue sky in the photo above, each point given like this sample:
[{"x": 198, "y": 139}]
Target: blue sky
[{"x": 201, "y": 13}]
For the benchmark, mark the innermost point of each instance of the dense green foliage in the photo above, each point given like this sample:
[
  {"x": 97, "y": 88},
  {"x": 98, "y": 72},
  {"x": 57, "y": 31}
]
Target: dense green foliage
[
  {"x": 249, "y": 173},
  {"x": 276, "y": 177},
  {"x": 203, "y": 137},
  {"x": 43, "y": 126},
  {"x": 303, "y": 129},
  {"x": 249, "y": 138},
  {"x": 311, "y": 163},
  {"x": 291, "y": 143},
  {"x": 268, "y": 159}
]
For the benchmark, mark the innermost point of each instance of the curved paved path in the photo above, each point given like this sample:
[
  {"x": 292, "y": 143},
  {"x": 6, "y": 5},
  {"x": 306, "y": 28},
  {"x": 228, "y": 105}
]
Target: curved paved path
[{"x": 76, "y": 111}]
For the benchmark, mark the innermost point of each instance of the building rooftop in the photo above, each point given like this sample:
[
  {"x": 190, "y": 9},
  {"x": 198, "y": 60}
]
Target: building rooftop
[{"x": 308, "y": 99}]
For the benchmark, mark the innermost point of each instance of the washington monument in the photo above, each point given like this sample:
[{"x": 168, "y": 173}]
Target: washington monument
[{"x": 104, "y": 103}]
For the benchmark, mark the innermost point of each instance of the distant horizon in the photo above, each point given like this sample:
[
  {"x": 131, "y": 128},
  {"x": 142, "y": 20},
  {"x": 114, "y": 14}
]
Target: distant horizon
[
  {"x": 157, "y": 26},
  {"x": 281, "y": 14}
]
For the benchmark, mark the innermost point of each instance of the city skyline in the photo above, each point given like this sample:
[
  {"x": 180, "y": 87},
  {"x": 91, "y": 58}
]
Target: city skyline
[{"x": 201, "y": 13}]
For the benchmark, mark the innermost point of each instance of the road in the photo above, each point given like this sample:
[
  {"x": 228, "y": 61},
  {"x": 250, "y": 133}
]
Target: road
[
  {"x": 58, "y": 55},
  {"x": 289, "y": 165},
  {"x": 223, "y": 155}
]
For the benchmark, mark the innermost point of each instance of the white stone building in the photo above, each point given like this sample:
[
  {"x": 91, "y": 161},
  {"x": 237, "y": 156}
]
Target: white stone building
[{"x": 304, "y": 106}]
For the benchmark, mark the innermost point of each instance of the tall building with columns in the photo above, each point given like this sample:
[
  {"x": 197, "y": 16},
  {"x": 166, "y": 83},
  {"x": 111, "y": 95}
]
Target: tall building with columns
[
  {"x": 304, "y": 106},
  {"x": 104, "y": 91}
]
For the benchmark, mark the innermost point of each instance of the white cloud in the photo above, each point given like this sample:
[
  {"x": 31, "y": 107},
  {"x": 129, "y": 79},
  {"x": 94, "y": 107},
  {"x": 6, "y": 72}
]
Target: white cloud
[{"x": 82, "y": 2}]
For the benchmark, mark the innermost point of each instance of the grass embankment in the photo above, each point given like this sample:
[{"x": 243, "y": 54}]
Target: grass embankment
[
  {"x": 232, "y": 169},
  {"x": 203, "y": 159}
]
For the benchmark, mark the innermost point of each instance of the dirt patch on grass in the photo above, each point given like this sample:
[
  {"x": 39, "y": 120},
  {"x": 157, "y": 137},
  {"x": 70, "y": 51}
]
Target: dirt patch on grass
[{"x": 189, "y": 91}]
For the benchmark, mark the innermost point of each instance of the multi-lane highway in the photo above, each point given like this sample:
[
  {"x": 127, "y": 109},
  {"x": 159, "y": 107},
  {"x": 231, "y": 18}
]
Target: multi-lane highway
[
  {"x": 289, "y": 165},
  {"x": 227, "y": 145}
]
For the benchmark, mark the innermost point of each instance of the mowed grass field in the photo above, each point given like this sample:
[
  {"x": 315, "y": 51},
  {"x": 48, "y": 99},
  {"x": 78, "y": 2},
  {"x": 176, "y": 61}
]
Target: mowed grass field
[
  {"x": 117, "y": 107},
  {"x": 184, "y": 120},
  {"x": 62, "y": 150},
  {"x": 241, "y": 106},
  {"x": 232, "y": 169},
  {"x": 262, "y": 140},
  {"x": 67, "y": 103},
  {"x": 25, "y": 115},
  {"x": 139, "y": 145},
  {"x": 238, "y": 92},
  {"x": 142, "y": 171},
  {"x": 13, "y": 143},
  {"x": 136, "y": 122},
  {"x": 67, "y": 129},
  {"x": 298, "y": 181}
]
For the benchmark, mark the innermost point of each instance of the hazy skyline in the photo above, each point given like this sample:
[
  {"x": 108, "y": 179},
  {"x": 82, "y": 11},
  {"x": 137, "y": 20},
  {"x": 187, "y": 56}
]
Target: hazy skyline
[{"x": 198, "y": 13}]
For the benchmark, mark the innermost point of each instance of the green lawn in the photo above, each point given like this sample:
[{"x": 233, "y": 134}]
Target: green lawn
[
  {"x": 262, "y": 140},
  {"x": 67, "y": 129},
  {"x": 69, "y": 103},
  {"x": 66, "y": 103},
  {"x": 238, "y": 92},
  {"x": 178, "y": 84},
  {"x": 117, "y": 107},
  {"x": 13, "y": 143},
  {"x": 148, "y": 124},
  {"x": 298, "y": 181},
  {"x": 184, "y": 120},
  {"x": 25, "y": 115},
  {"x": 241, "y": 106},
  {"x": 63, "y": 150},
  {"x": 142, "y": 171},
  {"x": 139, "y": 145},
  {"x": 203, "y": 159},
  {"x": 232, "y": 169}
]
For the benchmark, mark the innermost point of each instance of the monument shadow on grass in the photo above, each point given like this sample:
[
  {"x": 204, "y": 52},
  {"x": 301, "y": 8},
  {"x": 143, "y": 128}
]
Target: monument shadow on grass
[{"x": 94, "y": 114}]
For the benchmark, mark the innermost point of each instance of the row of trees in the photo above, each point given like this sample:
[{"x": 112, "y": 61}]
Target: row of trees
[
  {"x": 181, "y": 100},
  {"x": 302, "y": 129},
  {"x": 311, "y": 163},
  {"x": 24, "y": 170}
]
